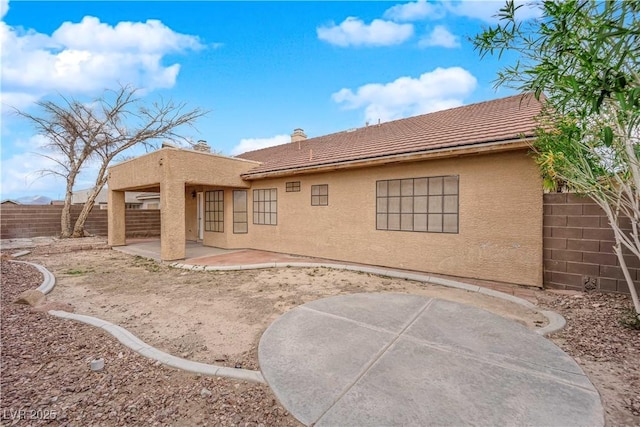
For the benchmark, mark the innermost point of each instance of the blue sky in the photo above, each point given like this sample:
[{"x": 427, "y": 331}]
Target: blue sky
[{"x": 261, "y": 69}]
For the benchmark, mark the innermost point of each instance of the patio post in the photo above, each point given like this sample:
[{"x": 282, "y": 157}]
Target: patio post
[
  {"x": 172, "y": 219},
  {"x": 116, "y": 231}
]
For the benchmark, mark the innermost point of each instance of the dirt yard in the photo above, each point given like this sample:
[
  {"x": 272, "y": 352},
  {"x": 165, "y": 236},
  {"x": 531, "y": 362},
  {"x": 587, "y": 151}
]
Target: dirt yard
[{"x": 218, "y": 317}]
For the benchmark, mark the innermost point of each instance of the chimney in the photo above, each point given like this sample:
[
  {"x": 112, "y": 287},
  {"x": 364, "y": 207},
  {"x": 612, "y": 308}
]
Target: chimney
[
  {"x": 298, "y": 135},
  {"x": 202, "y": 145}
]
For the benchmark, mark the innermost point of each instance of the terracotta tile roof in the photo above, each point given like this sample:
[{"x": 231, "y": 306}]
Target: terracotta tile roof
[{"x": 502, "y": 120}]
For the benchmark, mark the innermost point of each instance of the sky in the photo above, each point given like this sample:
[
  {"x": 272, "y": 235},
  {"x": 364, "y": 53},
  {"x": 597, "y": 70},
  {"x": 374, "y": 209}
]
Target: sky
[{"x": 259, "y": 69}]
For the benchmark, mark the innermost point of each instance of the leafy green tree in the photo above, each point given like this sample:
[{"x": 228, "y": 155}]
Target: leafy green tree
[
  {"x": 582, "y": 58},
  {"x": 79, "y": 133}
]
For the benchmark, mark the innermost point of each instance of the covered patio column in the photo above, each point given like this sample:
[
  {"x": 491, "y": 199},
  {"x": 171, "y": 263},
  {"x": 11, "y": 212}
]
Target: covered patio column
[
  {"x": 172, "y": 219},
  {"x": 116, "y": 218}
]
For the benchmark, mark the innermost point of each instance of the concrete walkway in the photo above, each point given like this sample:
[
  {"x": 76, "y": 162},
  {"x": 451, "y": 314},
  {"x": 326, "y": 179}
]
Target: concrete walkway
[{"x": 397, "y": 359}]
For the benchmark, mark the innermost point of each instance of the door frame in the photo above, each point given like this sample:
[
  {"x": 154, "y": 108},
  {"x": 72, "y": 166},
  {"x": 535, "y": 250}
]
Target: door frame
[{"x": 200, "y": 215}]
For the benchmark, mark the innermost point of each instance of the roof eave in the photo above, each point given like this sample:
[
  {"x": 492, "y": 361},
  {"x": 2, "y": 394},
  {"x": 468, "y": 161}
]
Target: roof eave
[{"x": 487, "y": 147}]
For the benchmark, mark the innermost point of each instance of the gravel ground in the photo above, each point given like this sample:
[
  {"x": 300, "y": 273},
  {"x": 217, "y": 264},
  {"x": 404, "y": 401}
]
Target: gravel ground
[
  {"x": 607, "y": 351},
  {"x": 46, "y": 380}
]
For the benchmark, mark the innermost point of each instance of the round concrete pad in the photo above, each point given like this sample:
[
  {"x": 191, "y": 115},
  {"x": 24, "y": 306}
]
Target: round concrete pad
[{"x": 390, "y": 359}]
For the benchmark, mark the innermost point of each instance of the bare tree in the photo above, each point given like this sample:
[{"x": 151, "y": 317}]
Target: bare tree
[{"x": 78, "y": 133}]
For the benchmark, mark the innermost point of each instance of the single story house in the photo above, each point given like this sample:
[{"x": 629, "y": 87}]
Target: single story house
[{"x": 454, "y": 192}]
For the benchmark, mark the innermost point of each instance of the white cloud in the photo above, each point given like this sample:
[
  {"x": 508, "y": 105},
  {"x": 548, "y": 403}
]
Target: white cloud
[
  {"x": 406, "y": 96},
  {"x": 354, "y": 32},
  {"x": 484, "y": 10},
  {"x": 80, "y": 58},
  {"x": 20, "y": 174},
  {"x": 390, "y": 31},
  {"x": 414, "y": 11},
  {"x": 250, "y": 144},
  {"x": 4, "y": 8},
  {"x": 487, "y": 10},
  {"x": 440, "y": 36},
  {"x": 528, "y": 10},
  {"x": 27, "y": 173},
  {"x": 19, "y": 100},
  {"x": 151, "y": 36},
  {"x": 86, "y": 57}
]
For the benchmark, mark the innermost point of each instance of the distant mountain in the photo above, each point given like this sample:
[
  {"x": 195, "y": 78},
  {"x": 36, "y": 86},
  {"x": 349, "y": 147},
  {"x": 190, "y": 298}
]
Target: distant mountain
[{"x": 34, "y": 200}]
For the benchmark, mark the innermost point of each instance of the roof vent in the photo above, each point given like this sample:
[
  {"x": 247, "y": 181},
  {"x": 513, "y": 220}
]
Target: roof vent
[
  {"x": 202, "y": 145},
  {"x": 298, "y": 135}
]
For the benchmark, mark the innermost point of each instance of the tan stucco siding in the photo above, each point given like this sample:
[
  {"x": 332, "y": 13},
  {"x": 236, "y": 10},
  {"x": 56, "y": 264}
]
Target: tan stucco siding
[
  {"x": 500, "y": 223},
  {"x": 139, "y": 172},
  {"x": 500, "y": 220},
  {"x": 177, "y": 173},
  {"x": 172, "y": 219},
  {"x": 203, "y": 168},
  {"x": 228, "y": 239},
  {"x": 116, "y": 218},
  {"x": 188, "y": 166}
]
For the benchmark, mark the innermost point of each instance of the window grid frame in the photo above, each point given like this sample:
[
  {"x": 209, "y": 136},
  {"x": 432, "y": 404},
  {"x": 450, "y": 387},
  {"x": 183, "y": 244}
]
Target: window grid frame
[
  {"x": 316, "y": 199},
  {"x": 262, "y": 197},
  {"x": 214, "y": 211},
  {"x": 427, "y": 213},
  {"x": 236, "y": 211},
  {"x": 292, "y": 186}
]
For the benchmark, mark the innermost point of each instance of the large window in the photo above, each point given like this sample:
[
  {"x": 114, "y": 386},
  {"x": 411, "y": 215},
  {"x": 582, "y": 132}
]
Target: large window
[
  {"x": 214, "y": 211},
  {"x": 240, "y": 213},
  {"x": 418, "y": 204},
  {"x": 320, "y": 195},
  {"x": 265, "y": 206}
]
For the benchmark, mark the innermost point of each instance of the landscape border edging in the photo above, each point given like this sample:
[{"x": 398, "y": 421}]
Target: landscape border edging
[
  {"x": 129, "y": 340},
  {"x": 49, "y": 280},
  {"x": 556, "y": 320}
]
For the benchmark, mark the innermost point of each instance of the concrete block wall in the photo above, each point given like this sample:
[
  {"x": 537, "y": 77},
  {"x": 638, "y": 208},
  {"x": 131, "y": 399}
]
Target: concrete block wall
[
  {"x": 29, "y": 221},
  {"x": 140, "y": 222},
  {"x": 578, "y": 247},
  {"x": 25, "y": 221}
]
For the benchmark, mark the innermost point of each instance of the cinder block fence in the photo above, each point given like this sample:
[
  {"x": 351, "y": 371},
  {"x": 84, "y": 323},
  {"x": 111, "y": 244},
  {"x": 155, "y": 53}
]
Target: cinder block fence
[
  {"x": 25, "y": 221},
  {"x": 578, "y": 247}
]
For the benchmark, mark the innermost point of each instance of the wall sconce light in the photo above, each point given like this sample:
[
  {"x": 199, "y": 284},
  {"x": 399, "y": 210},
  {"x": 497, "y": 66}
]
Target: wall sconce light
[{"x": 193, "y": 194}]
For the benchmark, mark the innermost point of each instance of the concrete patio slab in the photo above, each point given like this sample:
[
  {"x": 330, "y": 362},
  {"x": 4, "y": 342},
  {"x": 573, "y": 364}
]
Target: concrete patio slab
[
  {"x": 421, "y": 361},
  {"x": 364, "y": 309},
  {"x": 151, "y": 249},
  {"x": 329, "y": 375}
]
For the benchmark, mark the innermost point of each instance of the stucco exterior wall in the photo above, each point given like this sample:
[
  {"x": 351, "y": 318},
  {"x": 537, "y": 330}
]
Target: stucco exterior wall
[
  {"x": 143, "y": 171},
  {"x": 184, "y": 165},
  {"x": 176, "y": 173},
  {"x": 228, "y": 239},
  {"x": 204, "y": 168},
  {"x": 500, "y": 220}
]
